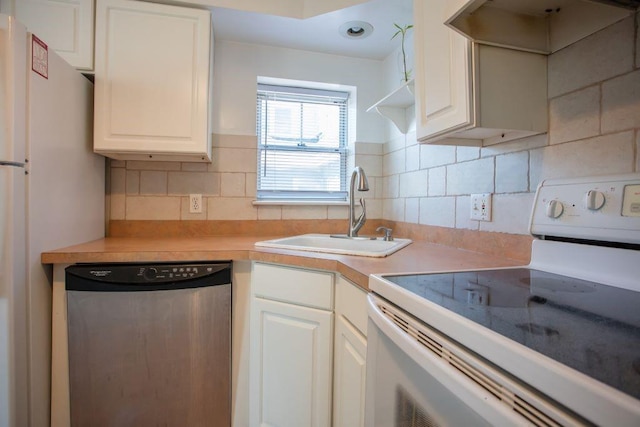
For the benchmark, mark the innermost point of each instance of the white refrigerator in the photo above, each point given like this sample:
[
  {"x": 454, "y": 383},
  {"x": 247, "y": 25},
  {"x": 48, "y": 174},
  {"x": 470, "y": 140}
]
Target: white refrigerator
[{"x": 52, "y": 194}]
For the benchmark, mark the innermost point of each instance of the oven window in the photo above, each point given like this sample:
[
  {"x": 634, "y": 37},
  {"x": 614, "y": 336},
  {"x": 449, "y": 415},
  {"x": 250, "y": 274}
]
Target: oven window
[
  {"x": 418, "y": 377},
  {"x": 406, "y": 395},
  {"x": 409, "y": 413}
]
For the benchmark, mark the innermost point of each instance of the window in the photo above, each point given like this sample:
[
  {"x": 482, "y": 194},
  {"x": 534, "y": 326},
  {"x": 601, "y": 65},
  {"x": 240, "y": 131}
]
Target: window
[{"x": 302, "y": 144}]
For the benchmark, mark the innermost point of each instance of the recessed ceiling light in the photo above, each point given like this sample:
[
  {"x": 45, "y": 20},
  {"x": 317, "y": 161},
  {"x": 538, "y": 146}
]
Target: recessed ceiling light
[{"x": 355, "y": 29}]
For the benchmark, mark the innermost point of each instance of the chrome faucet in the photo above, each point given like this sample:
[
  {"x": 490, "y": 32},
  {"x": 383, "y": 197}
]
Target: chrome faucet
[
  {"x": 387, "y": 233},
  {"x": 355, "y": 224}
]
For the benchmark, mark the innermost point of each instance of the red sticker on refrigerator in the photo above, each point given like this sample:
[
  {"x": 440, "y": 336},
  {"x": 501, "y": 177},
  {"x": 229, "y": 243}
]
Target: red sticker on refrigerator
[{"x": 39, "y": 57}]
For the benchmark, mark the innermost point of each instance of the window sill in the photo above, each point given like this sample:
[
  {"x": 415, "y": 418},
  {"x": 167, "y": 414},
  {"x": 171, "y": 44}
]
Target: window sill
[{"x": 300, "y": 203}]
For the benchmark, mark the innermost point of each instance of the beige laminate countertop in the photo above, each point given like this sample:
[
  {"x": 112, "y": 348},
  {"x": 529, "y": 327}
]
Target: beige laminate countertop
[{"x": 417, "y": 257}]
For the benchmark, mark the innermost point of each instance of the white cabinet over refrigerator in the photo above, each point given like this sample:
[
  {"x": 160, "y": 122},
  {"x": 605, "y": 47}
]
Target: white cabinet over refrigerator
[
  {"x": 67, "y": 27},
  {"x": 153, "y": 81}
]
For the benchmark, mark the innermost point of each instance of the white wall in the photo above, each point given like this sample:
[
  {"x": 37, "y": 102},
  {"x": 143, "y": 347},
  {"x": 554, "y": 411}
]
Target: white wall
[{"x": 238, "y": 65}]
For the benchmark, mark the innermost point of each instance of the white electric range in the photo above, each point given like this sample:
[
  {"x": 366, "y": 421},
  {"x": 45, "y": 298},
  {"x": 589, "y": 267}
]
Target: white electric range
[{"x": 556, "y": 342}]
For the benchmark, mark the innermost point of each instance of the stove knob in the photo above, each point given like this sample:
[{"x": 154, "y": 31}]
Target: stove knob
[
  {"x": 594, "y": 200},
  {"x": 554, "y": 208}
]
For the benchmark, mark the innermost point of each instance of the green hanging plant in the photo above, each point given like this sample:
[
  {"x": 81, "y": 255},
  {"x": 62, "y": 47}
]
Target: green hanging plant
[{"x": 403, "y": 32}]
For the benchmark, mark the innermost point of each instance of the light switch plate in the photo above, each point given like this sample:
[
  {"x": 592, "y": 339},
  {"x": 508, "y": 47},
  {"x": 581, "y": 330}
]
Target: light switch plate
[{"x": 481, "y": 207}]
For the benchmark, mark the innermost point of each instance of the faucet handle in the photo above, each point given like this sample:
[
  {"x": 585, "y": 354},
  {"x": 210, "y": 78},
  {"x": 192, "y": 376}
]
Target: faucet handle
[{"x": 387, "y": 233}]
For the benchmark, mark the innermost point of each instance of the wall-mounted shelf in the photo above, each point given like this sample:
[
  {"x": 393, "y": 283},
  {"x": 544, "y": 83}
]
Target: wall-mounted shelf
[{"x": 394, "y": 106}]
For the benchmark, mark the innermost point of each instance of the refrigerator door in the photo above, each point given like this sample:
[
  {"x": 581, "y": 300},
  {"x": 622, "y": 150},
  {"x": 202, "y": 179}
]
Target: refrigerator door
[
  {"x": 66, "y": 195},
  {"x": 13, "y": 317},
  {"x": 13, "y": 89},
  {"x": 13, "y": 288}
]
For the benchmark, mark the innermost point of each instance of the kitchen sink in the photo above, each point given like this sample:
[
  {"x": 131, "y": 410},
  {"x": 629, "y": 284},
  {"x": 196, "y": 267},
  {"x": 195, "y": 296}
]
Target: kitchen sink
[{"x": 337, "y": 244}]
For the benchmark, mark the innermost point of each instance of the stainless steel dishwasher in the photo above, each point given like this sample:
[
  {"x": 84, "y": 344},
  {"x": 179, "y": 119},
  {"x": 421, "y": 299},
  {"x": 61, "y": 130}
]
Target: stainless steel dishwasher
[{"x": 149, "y": 344}]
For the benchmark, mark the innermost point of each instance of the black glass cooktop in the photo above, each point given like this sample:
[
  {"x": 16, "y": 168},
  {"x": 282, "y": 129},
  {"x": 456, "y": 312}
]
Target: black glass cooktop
[{"x": 590, "y": 327}]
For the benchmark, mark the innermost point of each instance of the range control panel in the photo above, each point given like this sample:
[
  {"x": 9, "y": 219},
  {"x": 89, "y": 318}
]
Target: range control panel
[{"x": 600, "y": 208}]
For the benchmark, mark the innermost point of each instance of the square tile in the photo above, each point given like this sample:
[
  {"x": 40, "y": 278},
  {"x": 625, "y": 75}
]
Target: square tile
[
  {"x": 603, "y": 55},
  {"x": 153, "y": 208},
  {"x": 512, "y": 173},
  {"x": 471, "y": 177},
  {"x": 575, "y": 116},
  {"x": 438, "y": 211},
  {"x": 621, "y": 103}
]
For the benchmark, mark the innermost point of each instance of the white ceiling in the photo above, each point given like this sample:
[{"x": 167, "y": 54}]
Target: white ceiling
[{"x": 319, "y": 33}]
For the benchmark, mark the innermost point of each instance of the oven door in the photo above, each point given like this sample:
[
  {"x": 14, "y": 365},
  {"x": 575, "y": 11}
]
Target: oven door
[{"x": 417, "y": 377}]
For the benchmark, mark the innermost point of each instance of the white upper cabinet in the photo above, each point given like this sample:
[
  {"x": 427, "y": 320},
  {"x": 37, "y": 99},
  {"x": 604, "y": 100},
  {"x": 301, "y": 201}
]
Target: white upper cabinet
[
  {"x": 152, "y": 81},
  {"x": 65, "y": 25},
  {"x": 470, "y": 94},
  {"x": 298, "y": 9}
]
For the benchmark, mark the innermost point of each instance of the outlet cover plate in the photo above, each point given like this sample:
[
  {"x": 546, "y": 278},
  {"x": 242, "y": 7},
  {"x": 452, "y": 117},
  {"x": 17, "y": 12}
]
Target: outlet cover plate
[
  {"x": 481, "y": 207},
  {"x": 195, "y": 203}
]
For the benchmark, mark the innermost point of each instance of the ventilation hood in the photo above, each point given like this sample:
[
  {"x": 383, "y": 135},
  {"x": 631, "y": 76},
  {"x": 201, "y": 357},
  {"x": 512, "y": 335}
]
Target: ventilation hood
[{"x": 541, "y": 26}]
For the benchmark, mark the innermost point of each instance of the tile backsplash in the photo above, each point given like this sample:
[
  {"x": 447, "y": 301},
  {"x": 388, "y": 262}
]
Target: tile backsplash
[
  {"x": 594, "y": 129},
  {"x": 160, "y": 190}
]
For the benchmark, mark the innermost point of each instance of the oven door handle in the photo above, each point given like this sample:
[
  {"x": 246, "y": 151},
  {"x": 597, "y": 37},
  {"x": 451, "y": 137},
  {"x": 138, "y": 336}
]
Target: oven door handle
[{"x": 470, "y": 394}]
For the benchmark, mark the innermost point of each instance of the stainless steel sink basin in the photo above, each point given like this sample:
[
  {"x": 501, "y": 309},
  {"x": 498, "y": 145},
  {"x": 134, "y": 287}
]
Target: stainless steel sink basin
[{"x": 337, "y": 244}]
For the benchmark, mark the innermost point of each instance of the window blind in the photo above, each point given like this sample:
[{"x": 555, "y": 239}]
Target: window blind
[{"x": 302, "y": 140}]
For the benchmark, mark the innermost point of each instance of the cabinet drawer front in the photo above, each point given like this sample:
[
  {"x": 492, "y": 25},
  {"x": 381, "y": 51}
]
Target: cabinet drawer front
[{"x": 302, "y": 287}]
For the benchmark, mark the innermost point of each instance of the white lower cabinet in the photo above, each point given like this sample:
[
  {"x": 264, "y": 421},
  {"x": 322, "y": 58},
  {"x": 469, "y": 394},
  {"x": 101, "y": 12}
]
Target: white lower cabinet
[
  {"x": 349, "y": 375},
  {"x": 303, "y": 369},
  {"x": 350, "y": 351},
  {"x": 291, "y": 347}
]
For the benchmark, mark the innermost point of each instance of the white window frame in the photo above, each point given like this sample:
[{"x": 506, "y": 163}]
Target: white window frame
[{"x": 303, "y": 94}]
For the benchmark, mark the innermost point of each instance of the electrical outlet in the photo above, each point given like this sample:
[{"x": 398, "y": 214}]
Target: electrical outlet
[
  {"x": 481, "y": 207},
  {"x": 195, "y": 203}
]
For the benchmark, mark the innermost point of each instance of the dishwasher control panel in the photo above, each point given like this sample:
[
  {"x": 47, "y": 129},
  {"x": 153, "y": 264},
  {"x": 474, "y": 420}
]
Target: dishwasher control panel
[
  {"x": 149, "y": 274},
  {"x": 162, "y": 272}
]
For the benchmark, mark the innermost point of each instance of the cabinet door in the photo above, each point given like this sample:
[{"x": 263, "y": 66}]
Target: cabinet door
[
  {"x": 65, "y": 25},
  {"x": 290, "y": 377},
  {"x": 349, "y": 375},
  {"x": 443, "y": 82},
  {"x": 152, "y": 85}
]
